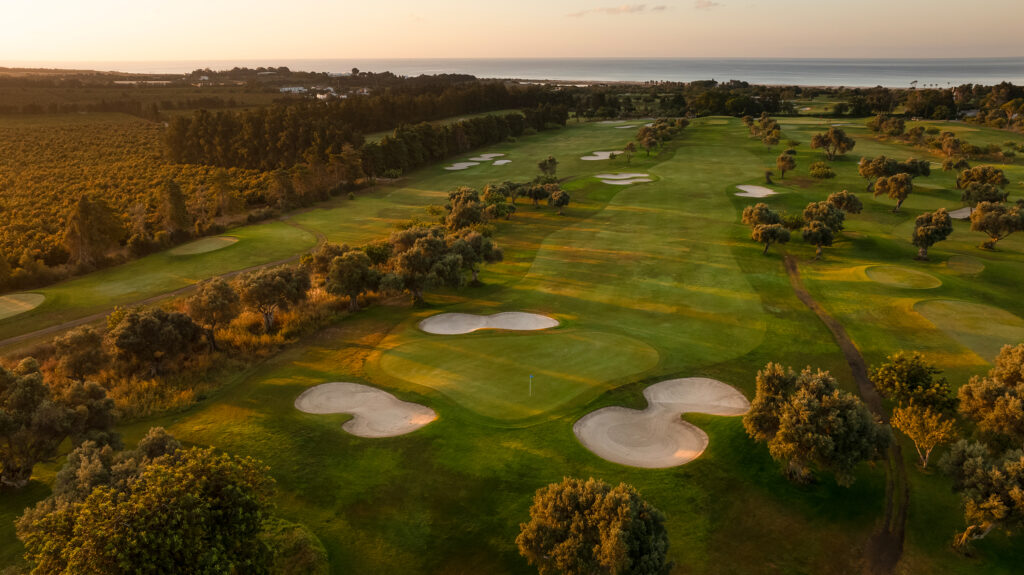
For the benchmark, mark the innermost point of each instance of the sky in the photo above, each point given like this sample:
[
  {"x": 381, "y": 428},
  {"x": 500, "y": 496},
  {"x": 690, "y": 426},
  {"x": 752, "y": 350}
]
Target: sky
[{"x": 139, "y": 30}]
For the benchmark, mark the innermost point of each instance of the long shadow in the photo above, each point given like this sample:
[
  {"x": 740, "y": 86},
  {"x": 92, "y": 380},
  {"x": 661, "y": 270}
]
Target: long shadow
[{"x": 885, "y": 547}]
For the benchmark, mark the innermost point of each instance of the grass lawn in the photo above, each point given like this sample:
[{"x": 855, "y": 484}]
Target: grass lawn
[{"x": 648, "y": 282}]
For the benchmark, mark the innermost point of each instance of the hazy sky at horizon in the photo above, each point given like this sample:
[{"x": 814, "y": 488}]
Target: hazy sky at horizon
[{"x": 131, "y": 30}]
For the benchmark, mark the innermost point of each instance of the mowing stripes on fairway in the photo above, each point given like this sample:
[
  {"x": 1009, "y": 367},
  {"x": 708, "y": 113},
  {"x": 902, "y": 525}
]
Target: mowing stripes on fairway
[
  {"x": 17, "y": 303},
  {"x": 490, "y": 373},
  {"x": 983, "y": 329},
  {"x": 656, "y": 437},
  {"x": 375, "y": 413}
]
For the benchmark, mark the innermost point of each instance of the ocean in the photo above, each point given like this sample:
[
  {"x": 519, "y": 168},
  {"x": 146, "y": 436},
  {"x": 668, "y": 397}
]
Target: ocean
[{"x": 896, "y": 73}]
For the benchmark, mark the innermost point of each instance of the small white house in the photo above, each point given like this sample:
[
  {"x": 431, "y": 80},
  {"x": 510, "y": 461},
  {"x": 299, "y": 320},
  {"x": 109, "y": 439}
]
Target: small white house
[{"x": 293, "y": 90}]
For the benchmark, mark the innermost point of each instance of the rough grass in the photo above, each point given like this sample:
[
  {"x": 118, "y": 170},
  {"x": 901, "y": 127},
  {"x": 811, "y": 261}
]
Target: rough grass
[{"x": 901, "y": 277}]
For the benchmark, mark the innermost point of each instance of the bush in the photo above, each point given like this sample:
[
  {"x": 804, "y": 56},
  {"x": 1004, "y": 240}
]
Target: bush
[{"x": 821, "y": 171}]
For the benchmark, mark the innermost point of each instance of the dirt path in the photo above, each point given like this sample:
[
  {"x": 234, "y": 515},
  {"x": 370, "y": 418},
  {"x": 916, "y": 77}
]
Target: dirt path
[
  {"x": 885, "y": 547},
  {"x": 61, "y": 327}
]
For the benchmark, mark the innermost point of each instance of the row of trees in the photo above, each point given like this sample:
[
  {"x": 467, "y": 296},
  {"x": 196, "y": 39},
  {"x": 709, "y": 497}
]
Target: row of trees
[{"x": 819, "y": 222}]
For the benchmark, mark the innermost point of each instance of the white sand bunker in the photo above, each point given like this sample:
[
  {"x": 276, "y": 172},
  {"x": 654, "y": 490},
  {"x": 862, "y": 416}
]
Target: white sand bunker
[
  {"x": 755, "y": 192},
  {"x": 600, "y": 156},
  {"x": 462, "y": 165},
  {"x": 18, "y": 303},
  {"x": 623, "y": 179},
  {"x": 485, "y": 157},
  {"x": 459, "y": 323},
  {"x": 625, "y": 127},
  {"x": 203, "y": 246},
  {"x": 656, "y": 437},
  {"x": 501, "y": 162},
  {"x": 611, "y": 121},
  {"x": 375, "y": 412},
  {"x": 961, "y": 214}
]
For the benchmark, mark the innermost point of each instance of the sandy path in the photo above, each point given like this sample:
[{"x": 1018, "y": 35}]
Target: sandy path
[
  {"x": 375, "y": 412},
  {"x": 656, "y": 437},
  {"x": 460, "y": 323},
  {"x": 755, "y": 192}
]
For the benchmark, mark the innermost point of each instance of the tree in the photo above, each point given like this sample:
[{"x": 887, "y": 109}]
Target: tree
[
  {"x": 908, "y": 377},
  {"x": 929, "y": 229},
  {"x": 821, "y": 171},
  {"x": 422, "y": 259},
  {"x": 997, "y": 221},
  {"x": 34, "y": 420},
  {"x": 319, "y": 260},
  {"x": 559, "y": 199},
  {"x": 464, "y": 209},
  {"x": 496, "y": 204},
  {"x": 581, "y": 527},
  {"x": 877, "y": 167},
  {"x": 785, "y": 162},
  {"x": 90, "y": 231},
  {"x": 194, "y": 509},
  {"x": 548, "y": 166},
  {"x": 822, "y": 221},
  {"x": 629, "y": 150},
  {"x": 835, "y": 142},
  {"x": 897, "y": 187},
  {"x": 996, "y": 401},
  {"x": 846, "y": 202},
  {"x": 808, "y": 423},
  {"x": 79, "y": 353},
  {"x": 926, "y": 427},
  {"x": 975, "y": 192},
  {"x": 214, "y": 303},
  {"x": 538, "y": 192},
  {"x": 649, "y": 142},
  {"x": 225, "y": 197},
  {"x": 172, "y": 211},
  {"x": 990, "y": 488},
  {"x": 982, "y": 175},
  {"x": 474, "y": 248},
  {"x": 153, "y": 338},
  {"x": 269, "y": 290},
  {"x": 765, "y": 224},
  {"x": 352, "y": 274}
]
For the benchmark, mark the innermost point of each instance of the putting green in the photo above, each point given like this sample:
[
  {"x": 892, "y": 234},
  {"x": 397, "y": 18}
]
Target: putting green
[
  {"x": 965, "y": 265},
  {"x": 12, "y": 305},
  {"x": 491, "y": 374},
  {"x": 898, "y": 276},
  {"x": 982, "y": 328},
  {"x": 202, "y": 246}
]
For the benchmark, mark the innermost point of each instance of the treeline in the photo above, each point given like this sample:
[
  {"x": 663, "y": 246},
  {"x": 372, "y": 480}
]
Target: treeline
[{"x": 283, "y": 135}]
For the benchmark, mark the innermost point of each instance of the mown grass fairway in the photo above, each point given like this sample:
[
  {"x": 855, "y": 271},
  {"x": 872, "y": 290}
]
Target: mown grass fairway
[{"x": 649, "y": 282}]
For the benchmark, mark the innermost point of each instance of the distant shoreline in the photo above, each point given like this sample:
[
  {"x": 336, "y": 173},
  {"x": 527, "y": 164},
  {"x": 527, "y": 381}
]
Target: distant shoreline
[{"x": 804, "y": 72}]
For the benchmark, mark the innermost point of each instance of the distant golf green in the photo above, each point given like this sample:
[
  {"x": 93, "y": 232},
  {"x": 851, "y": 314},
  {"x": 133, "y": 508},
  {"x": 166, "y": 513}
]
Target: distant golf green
[{"x": 983, "y": 329}]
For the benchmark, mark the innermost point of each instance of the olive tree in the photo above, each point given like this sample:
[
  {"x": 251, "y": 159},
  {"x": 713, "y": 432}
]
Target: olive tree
[
  {"x": 268, "y": 291},
  {"x": 929, "y": 229},
  {"x": 152, "y": 339},
  {"x": 896, "y": 187},
  {"x": 835, "y": 142},
  {"x": 215, "y": 303},
  {"x": 995, "y": 401},
  {"x": 989, "y": 486},
  {"x": 588, "y": 527},
  {"x": 352, "y": 274},
  {"x": 997, "y": 221},
  {"x": 785, "y": 162},
  {"x": 926, "y": 427},
  {"x": 765, "y": 225}
]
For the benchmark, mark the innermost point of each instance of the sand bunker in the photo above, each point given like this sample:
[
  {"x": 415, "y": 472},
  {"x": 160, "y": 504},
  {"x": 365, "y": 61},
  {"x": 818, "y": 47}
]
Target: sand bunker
[
  {"x": 202, "y": 246},
  {"x": 461, "y": 165},
  {"x": 485, "y": 157},
  {"x": 459, "y": 323},
  {"x": 965, "y": 265},
  {"x": 600, "y": 156},
  {"x": 961, "y": 214},
  {"x": 656, "y": 437},
  {"x": 625, "y": 127},
  {"x": 501, "y": 162},
  {"x": 611, "y": 121},
  {"x": 898, "y": 276},
  {"x": 627, "y": 182},
  {"x": 755, "y": 192},
  {"x": 620, "y": 176},
  {"x": 375, "y": 412},
  {"x": 18, "y": 303}
]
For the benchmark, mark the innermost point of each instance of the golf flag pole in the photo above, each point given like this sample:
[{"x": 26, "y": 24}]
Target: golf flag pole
[{"x": 531, "y": 385}]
